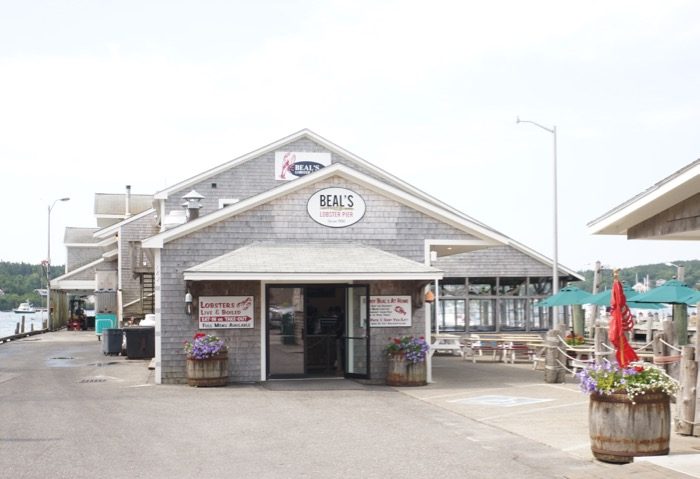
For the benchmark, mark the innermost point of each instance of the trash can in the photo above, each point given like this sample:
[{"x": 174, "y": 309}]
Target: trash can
[
  {"x": 140, "y": 342},
  {"x": 112, "y": 341}
]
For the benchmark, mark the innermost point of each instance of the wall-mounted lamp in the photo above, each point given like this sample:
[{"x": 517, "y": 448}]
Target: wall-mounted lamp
[
  {"x": 188, "y": 303},
  {"x": 429, "y": 297}
]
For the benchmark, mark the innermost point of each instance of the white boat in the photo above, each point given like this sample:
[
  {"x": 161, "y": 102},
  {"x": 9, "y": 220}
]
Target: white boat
[{"x": 25, "y": 308}]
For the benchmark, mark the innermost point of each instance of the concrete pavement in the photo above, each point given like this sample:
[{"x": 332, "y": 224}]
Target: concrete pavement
[
  {"x": 516, "y": 399},
  {"x": 68, "y": 411}
]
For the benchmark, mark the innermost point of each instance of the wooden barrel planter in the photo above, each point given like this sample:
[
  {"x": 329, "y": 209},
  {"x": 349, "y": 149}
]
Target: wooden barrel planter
[
  {"x": 621, "y": 430},
  {"x": 398, "y": 370},
  {"x": 208, "y": 372},
  {"x": 416, "y": 374}
]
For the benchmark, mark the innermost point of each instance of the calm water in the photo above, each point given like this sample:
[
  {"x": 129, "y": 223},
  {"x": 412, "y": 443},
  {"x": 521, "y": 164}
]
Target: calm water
[{"x": 8, "y": 321}]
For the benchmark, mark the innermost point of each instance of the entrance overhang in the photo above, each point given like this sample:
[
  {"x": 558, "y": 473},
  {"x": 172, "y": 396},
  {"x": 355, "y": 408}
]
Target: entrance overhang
[{"x": 310, "y": 262}]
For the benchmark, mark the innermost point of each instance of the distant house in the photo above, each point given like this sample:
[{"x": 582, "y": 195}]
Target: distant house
[
  {"x": 2, "y": 293},
  {"x": 305, "y": 258},
  {"x": 92, "y": 259}
]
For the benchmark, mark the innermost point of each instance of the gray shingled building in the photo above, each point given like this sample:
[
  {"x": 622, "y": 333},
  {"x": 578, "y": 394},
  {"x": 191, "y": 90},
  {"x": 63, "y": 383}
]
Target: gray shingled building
[{"x": 306, "y": 258}]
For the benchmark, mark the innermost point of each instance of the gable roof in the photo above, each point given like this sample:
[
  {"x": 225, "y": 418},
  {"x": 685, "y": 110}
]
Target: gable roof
[
  {"x": 321, "y": 261},
  {"x": 332, "y": 147},
  {"x": 489, "y": 237},
  {"x": 78, "y": 235},
  {"x": 668, "y": 192},
  {"x": 318, "y": 139},
  {"x": 114, "y": 229}
]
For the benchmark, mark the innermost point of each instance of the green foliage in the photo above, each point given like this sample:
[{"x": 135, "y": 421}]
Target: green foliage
[
  {"x": 19, "y": 280},
  {"x": 655, "y": 271}
]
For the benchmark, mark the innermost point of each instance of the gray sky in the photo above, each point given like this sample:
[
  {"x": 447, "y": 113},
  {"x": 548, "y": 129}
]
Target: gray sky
[{"x": 97, "y": 95}]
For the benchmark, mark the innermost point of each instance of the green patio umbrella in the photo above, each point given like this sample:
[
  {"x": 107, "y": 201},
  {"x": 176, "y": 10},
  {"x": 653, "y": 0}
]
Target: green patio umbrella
[
  {"x": 673, "y": 291},
  {"x": 603, "y": 299},
  {"x": 693, "y": 299},
  {"x": 565, "y": 297}
]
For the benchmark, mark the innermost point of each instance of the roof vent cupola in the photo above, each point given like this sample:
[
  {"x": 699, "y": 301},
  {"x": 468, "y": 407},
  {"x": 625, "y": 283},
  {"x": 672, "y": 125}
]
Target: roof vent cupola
[{"x": 192, "y": 204}]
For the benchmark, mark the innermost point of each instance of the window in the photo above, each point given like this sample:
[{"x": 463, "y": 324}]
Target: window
[
  {"x": 452, "y": 315},
  {"x": 512, "y": 314},
  {"x": 481, "y": 315}
]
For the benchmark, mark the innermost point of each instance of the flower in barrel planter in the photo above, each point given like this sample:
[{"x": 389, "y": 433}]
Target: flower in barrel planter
[
  {"x": 207, "y": 361},
  {"x": 629, "y": 410},
  {"x": 412, "y": 348},
  {"x": 637, "y": 379},
  {"x": 204, "y": 346},
  {"x": 407, "y": 361}
]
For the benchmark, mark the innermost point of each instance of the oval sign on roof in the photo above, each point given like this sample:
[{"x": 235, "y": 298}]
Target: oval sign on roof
[{"x": 336, "y": 207}]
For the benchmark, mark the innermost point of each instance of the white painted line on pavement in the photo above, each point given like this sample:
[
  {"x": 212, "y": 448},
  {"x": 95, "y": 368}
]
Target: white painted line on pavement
[{"x": 528, "y": 411}]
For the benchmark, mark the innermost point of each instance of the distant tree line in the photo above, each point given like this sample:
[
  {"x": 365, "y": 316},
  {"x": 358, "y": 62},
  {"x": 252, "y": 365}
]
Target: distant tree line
[
  {"x": 630, "y": 276},
  {"x": 18, "y": 282}
]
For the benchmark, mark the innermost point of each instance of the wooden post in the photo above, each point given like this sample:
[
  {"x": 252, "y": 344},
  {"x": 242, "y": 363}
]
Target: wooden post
[
  {"x": 659, "y": 349},
  {"x": 551, "y": 366},
  {"x": 594, "y": 308},
  {"x": 16, "y": 329},
  {"x": 688, "y": 392},
  {"x": 601, "y": 335},
  {"x": 21, "y": 330},
  {"x": 673, "y": 368}
]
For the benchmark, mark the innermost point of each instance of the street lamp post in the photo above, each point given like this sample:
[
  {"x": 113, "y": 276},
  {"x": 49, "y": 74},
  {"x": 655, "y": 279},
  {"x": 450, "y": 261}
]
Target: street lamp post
[
  {"x": 680, "y": 271},
  {"x": 48, "y": 264},
  {"x": 555, "y": 262}
]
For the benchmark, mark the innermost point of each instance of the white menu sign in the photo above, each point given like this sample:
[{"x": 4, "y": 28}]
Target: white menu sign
[
  {"x": 226, "y": 312},
  {"x": 388, "y": 311}
]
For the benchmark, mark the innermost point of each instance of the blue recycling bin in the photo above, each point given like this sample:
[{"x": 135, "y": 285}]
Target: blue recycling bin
[{"x": 104, "y": 321}]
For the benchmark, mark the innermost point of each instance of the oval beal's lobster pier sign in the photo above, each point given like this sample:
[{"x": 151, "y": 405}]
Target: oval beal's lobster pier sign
[{"x": 336, "y": 207}]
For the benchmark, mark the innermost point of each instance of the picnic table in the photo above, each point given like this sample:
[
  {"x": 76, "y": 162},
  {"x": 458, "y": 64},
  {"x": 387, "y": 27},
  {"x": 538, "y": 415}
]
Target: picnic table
[{"x": 446, "y": 342}]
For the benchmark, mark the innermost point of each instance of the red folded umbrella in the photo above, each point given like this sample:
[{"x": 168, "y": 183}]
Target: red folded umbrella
[{"x": 620, "y": 323}]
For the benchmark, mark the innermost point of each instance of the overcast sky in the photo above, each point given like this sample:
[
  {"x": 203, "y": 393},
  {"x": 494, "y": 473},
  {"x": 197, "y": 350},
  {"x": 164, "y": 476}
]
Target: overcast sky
[{"x": 98, "y": 95}]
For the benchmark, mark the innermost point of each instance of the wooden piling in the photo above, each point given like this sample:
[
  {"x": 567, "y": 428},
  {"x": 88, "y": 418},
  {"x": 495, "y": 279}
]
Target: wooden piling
[
  {"x": 600, "y": 339},
  {"x": 21, "y": 330},
  {"x": 674, "y": 368},
  {"x": 687, "y": 395},
  {"x": 658, "y": 348}
]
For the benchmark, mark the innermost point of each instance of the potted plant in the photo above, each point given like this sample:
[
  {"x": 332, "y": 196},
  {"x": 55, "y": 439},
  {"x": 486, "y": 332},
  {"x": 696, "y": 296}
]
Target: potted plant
[
  {"x": 574, "y": 340},
  {"x": 407, "y": 361},
  {"x": 207, "y": 361},
  {"x": 629, "y": 410}
]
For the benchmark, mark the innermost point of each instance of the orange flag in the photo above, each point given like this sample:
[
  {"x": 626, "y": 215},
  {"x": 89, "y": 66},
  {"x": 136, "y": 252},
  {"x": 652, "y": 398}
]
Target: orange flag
[{"x": 620, "y": 323}]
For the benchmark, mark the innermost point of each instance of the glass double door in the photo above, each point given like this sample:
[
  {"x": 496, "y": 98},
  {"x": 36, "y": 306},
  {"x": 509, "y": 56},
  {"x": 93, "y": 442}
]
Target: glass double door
[{"x": 317, "y": 330}]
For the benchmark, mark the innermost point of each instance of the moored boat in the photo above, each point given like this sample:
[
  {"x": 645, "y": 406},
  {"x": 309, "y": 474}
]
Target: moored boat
[{"x": 25, "y": 308}]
